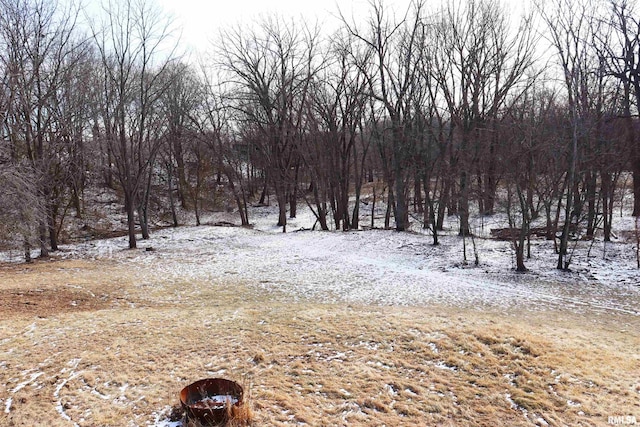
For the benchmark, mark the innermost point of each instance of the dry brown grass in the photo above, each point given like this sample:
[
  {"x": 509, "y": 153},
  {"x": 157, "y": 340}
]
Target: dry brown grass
[{"x": 121, "y": 353}]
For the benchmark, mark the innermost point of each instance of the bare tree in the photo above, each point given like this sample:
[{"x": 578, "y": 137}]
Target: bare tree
[
  {"x": 568, "y": 24},
  {"x": 332, "y": 152},
  {"x": 396, "y": 48},
  {"x": 271, "y": 68},
  {"x": 21, "y": 205},
  {"x": 531, "y": 178},
  {"x": 40, "y": 53},
  {"x": 231, "y": 150},
  {"x": 479, "y": 67},
  {"x": 619, "y": 48},
  {"x": 181, "y": 103},
  {"x": 132, "y": 40}
]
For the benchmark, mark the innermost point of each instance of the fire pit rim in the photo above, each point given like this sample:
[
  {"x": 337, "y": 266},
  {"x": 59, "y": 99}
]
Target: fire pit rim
[{"x": 208, "y": 387}]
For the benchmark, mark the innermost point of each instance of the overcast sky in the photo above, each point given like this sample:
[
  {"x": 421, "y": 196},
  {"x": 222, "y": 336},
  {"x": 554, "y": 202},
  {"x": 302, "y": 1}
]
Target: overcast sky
[{"x": 201, "y": 19}]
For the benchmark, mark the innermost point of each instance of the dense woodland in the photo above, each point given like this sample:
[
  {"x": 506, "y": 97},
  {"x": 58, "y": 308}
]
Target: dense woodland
[{"x": 448, "y": 109}]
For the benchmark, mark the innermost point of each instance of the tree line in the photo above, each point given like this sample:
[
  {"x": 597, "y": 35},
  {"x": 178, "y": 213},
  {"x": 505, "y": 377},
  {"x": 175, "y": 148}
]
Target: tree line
[{"x": 437, "y": 109}]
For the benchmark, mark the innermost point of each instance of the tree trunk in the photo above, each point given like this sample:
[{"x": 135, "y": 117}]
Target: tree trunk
[
  {"x": 524, "y": 229},
  {"x": 373, "y": 209},
  {"x": 635, "y": 169},
  {"x": 42, "y": 237},
  {"x": 390, "y": 204},
  {"x": 131, "y": 220},
  {"x": 196, "y": 208},
  {"x": 293, "y": 197},
  {"x": 463, "y": 205},
  {"x": 172, "y": 202},
  {"x": 27, "y": 250},
  {"x": 550, "y": 231},
  {"x": 556, "y": 220},
  {"x": 144, "y": 221},
  {"x": 293, "y": 202},
  {"x": 282, "y": 206},
  {"x": 358, "y": 171},
  {"x": 430, "y": 211},
  {"x": 520, "y": 267},
  {"x": 343, "y": 204},
  {"x": 563, "y": 264},
  {"x": 53, "y": 235},
  {"x": 322, "y": 208},
  {"x": 265, "y": 192},
  {"x": 75, "y": 194},
  {"x": 108, "y": 173},
  {"x": 183, "y": 185},
  {"x": 605, "y": 189},
  {"x": 428, "y": 206},
  {"x": 401, "y": 210},
  {"x": 144, "y": 205},
  {"x": 481, "y": 194},
  {"x": 442, "y": 205},
  {"x": 490, "y": 184},
  {"x": 355, "y": 217},
  {"x": 417, "y": 194},
  {"x": 591, "y": 204},
  {"x": 242, "y": 209}
]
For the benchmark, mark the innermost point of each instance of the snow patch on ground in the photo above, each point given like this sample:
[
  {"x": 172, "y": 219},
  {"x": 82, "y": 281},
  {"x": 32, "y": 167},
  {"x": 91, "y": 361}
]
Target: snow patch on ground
[
  {"x": 73, "y": 365},
  {"x": 161, "y": 419}
]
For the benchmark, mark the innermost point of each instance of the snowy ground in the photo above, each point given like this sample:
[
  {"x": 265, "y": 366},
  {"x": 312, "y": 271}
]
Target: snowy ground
[{"x": 384, "y": 267}]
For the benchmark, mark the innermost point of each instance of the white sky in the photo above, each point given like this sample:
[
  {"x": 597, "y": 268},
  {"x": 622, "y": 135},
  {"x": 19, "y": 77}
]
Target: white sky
[{"x": 201, "y": 19}]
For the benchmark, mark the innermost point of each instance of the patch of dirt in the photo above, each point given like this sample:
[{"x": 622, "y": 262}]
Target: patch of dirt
[
  {"x": 47, "y": 301},
  {"x": 47, "y": 287}
]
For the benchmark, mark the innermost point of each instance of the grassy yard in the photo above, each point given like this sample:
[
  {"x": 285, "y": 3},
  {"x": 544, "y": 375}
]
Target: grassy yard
[{"x": 90, "y": 343}]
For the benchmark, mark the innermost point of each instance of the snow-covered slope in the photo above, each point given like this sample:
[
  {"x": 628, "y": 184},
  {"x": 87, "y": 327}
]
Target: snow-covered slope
[{"x": 381, "y": 266}]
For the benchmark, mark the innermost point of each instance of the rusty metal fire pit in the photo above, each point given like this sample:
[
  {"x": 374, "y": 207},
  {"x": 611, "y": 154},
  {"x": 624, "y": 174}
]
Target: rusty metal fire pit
[{"x": 209, "y": 401}]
